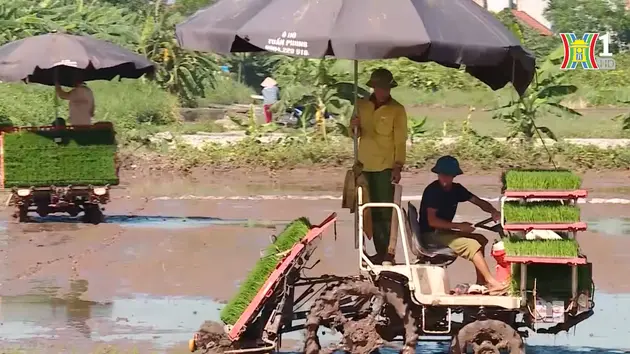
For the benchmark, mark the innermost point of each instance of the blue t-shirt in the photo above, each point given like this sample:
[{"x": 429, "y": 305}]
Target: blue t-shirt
[
  {"x": 270, "y": 95},
  {"x": 444, "y": 201}
]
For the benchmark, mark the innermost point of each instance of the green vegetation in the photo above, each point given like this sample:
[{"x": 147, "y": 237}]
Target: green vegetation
[
  {"x": 473, "y": 153},
  {"x": 541, "y": 248},
  {"x": 127, "y": 104},
  {"x": 60, "y": 157},
  {"x": 293, "y": 233},
  {"x": 540, "y": 212},
  {"x": 552, "y": 280},
  {"x": 468, "y": 110},
  {"x": 533, "y": 180}
]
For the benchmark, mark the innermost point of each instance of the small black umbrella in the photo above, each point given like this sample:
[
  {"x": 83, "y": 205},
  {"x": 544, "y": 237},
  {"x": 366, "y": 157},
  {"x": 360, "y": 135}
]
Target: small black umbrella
[
  {"x": 43, "y": 59},
  {"x": 449, "y": 32}
]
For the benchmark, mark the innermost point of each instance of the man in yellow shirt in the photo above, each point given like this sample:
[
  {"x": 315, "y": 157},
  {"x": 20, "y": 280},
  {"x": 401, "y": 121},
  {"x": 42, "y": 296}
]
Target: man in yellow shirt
[{"x": 382, "y": 127}]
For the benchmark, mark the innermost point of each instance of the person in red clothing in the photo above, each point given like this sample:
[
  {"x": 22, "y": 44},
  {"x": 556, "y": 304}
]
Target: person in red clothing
[{"x": 270, "y": 93}]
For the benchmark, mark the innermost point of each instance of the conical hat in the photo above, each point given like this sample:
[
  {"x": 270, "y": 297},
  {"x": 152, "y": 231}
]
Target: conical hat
[{"x": 269, "y": 82}]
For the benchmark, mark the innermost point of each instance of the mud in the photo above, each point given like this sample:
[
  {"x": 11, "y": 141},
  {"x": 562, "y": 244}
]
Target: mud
[
  {"x": 362, "y": 335},
  {"x": 211, "y": 338},
  {"x": 172, "y": 248}
]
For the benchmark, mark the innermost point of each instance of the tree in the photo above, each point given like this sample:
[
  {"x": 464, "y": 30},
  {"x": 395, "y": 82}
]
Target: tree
[
  {"x": 587, "y": 16},
  {"x": 188, "y": 7},
  {"x": 181, "y": 72},
  {"x": 539, "y": 44}
]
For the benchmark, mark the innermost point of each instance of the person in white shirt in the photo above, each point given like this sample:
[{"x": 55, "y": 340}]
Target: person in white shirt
[{"x": 80, "y": 102}]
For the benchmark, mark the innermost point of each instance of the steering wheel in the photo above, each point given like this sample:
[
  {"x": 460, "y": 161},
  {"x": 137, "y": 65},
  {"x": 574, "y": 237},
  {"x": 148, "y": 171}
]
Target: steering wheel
[{"x": 483, "y": 224}]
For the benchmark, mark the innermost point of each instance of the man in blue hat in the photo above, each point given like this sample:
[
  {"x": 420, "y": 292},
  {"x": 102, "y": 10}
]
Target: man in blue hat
[{"x": 437, "y": 211}]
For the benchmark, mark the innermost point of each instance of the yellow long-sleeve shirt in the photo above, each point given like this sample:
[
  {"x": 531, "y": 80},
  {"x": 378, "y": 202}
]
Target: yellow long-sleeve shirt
[{"x": 383, "y": 139}]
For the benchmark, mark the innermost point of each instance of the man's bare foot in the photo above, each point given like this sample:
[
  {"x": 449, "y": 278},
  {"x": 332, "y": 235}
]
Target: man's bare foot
[{"x": 497, "y": 288}]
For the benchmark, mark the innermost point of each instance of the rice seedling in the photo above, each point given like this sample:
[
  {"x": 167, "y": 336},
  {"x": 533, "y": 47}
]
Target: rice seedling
[
  {"x": 291, "y": 235},
  {"x": 541, "y": 248},
  {"x": 540, "y": 212},
  {"x": 60, "y": 157},
  {"x": 540, "y": 180}
]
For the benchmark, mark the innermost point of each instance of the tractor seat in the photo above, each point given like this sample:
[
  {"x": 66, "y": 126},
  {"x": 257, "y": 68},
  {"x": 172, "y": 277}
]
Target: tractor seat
[{"x": 426, "y": 251}]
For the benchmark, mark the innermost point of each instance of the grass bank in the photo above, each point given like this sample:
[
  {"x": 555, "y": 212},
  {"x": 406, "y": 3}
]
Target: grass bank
[
  {"x": 473, "y": 153},
  {"x": 127, "y": 104}
]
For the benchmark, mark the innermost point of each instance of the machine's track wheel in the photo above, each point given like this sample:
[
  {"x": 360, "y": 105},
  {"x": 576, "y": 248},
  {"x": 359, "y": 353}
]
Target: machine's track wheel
[
  {"x": 487, "y": 337},
  {"x": 360, "y": 328}
]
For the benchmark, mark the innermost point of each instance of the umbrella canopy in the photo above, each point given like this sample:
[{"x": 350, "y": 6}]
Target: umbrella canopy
[
  {"x": 449, "y": 32},
  {"x": 41, "y": 58}
]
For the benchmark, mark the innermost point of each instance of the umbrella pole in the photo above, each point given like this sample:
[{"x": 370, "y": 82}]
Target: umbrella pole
[
  {"x": 56, "y": 105},
  {"x": 56, "y": 101},
  {"x": 355, "y": 140}
]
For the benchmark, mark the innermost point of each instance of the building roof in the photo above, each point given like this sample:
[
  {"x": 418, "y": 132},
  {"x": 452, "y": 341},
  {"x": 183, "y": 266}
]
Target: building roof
[{"x": 526, "y": 19}]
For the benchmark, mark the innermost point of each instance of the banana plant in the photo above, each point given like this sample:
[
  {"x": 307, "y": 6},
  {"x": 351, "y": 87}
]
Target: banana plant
[
  {"x": 415, "y": 128},
  {"x": 545, "y": 95},
  {"x": 181, "y": 72}
]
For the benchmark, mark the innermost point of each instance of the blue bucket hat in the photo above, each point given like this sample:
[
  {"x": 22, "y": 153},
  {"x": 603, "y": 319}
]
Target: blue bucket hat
[{"x": 447, "y": 165}]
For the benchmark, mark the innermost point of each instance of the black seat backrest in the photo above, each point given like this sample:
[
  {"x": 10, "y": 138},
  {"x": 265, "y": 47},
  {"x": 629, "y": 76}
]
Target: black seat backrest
[{"x": 415, "y": 237}]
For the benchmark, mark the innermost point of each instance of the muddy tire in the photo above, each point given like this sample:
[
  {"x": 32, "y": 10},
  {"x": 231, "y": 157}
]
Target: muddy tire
[
  {"x": 92, "y": 214},
  {"x": 210, "y": 338},
  {"x": 487, "y": 337},
  {"x": 22, "y": 213},
  {"x": 361, "y": 329}
]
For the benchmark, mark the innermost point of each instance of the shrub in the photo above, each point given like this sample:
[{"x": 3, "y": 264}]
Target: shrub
[
  {"x": 306, "y": 151},
  {"x": 227, "y": 91}
]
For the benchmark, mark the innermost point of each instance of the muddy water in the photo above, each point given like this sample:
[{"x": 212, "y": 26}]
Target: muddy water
[
  {"x": 611, "y": 226},
  {"x": 181, "y": 263},
  {"x": 164, "y": 321}
]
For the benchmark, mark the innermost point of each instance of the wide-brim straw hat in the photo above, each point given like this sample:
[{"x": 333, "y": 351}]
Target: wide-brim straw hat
[{"x": 268, "y": 82}]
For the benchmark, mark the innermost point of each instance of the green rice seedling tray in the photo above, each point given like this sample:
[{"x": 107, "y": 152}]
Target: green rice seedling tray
[
  {"x": 541, "y": 248},
  {"x": 41, "y": 158},
  {"x": 540, "y": 180},
  {"x": 548, "y": 212},
  {"x": 291, "y": 235},
  {"x": 552, "y": 280}
]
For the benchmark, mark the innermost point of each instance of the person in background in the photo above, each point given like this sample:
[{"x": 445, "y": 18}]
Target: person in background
[
  {"x": 271, "y": 95},
  {"x": 437, "y": 211},
  {"x": 381, "y": 124},
  {"x": 80, "y": 102}
]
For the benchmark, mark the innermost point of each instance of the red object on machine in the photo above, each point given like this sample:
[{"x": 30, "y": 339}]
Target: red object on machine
[
  {"x": 580, "y": 193},
  {"x": 503, "y": 270},
  {"x": 577, "y": 226},
  {"x": 546, "y": 260},
  {"x": 267, "y": 289}
]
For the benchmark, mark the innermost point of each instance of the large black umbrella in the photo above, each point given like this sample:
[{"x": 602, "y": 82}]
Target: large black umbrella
[
  {"x": 449, "y": 32},
  {"x": 44, "y": 58}
]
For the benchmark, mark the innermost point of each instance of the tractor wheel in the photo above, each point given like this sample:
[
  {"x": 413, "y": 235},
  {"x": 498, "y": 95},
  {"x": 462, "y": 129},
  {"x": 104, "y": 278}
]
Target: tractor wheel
[
  {"x": 356, "y": 309},
  {"x": 487, "y": 337},
  {"x": 210, "y": 338},
  {"x": 92, "y": 214},
  {"x": 22, "y": 213}
]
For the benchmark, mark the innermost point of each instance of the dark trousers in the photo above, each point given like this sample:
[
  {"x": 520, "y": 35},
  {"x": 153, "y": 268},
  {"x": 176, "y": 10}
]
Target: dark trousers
[{"x": 381, "y": 191}]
